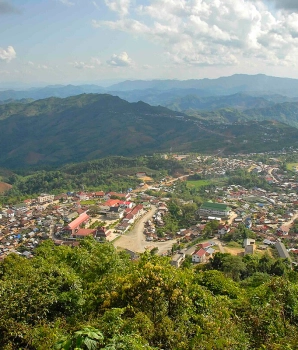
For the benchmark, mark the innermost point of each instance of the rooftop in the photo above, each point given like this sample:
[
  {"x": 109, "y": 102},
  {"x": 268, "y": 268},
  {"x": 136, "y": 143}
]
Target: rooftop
[{"x": 215, "y": 206}]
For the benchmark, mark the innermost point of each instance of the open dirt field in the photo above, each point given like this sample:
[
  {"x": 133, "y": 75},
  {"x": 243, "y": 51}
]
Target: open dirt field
[{"x": 4, "y": 187}]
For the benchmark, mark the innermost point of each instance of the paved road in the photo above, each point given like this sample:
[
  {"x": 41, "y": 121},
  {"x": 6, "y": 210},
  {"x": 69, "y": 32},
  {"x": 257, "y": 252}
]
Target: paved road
[{"x": 135, "y": 239}]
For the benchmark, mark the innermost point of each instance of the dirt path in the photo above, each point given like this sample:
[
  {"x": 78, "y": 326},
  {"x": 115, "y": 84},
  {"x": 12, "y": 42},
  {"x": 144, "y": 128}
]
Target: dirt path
[{"x": 232, "y": 217}]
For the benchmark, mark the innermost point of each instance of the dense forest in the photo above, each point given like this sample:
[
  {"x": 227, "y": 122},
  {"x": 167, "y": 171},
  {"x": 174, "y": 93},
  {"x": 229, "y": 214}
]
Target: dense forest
[
  {"x": 108, "y": 174},
  {"x": 57, "y": 131},
  {"x": 93, "y": 297}
]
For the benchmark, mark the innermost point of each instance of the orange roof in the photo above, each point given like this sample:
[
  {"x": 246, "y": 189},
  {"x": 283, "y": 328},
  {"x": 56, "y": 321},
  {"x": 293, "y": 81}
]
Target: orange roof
[
  {"x": 78, "y": 221},
  {"x": 200, "y": 252},
  {"x": 84, "y": 232}
]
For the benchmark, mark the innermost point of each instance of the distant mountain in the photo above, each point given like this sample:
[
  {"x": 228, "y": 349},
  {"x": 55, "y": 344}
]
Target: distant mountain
[
  {"x": 282, "y": 112},
  {"x": 238, "y": 101},
  {"x": 221, "y": 86},
  {"x": 162, "y": 92},
  {"x": 50, "y": 91},
  {"x": 89, "y": 126}
]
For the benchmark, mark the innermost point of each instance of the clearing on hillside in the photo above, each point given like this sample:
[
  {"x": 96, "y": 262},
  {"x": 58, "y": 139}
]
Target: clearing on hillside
[{"x": 4, "y": 187}]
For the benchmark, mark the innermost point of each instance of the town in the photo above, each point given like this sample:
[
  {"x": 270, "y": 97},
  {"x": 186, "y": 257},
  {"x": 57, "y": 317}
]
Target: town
[{"x": 137, "y": 220}]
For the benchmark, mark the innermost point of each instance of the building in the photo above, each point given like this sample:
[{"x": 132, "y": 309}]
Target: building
[
  {"x": 77, "y": 223},
  {"x": 282, "y": 251},
  {"x": 44, "y": 197},
  {"x": 214, "y": 209},
  {"x": 199, "y": 256},
  {"x": 178, "y": 259},
  {"x": 249, "y": 246},
  {"x": 83, "y": 232}
]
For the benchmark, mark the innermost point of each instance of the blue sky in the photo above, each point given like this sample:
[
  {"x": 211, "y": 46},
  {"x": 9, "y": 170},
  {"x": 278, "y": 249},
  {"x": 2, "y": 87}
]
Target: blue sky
[{"x": 83, "y": 41}]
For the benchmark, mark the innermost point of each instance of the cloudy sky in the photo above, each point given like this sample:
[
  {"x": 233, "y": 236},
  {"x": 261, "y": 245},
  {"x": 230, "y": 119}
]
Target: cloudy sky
[{"x": 76, "y": 41}]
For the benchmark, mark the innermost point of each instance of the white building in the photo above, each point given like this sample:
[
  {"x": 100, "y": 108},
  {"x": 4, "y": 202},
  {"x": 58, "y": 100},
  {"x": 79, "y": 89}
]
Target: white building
[{"x": 44, "y": 197}]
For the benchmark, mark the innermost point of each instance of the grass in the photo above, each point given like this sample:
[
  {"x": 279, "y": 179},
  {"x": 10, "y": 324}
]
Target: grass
[
  {"x": 89, "y": 202},
  {"x": 233, "y": 244},
  {"x": 292, "y": 166},
  {"x": 198, "y": 183}
]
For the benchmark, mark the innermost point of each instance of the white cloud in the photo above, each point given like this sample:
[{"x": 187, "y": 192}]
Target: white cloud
[
  {"x": 8, "y": 54},
  {"x": 82, "y": 65},
  {"x": 120, "y": 6},
  {"x": 121, "y": 60},
  {"x": 214, "y": 32},
  {"x": 38, "y": 65},
  {"x": 96, "y": 61}
]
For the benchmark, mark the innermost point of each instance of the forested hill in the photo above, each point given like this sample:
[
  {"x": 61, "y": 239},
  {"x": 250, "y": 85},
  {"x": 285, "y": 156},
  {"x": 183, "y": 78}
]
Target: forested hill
[
  {"x": 57, "y": 131},
  {"x": 92, "y": 297},
  {"x": 286, "y": 112},
  {"x": 82, "y": 127}
]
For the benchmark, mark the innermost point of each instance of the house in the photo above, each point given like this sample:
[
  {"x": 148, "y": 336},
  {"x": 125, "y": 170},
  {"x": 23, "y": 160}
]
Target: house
[
  {"x": 178, "y": 259},
  {"x": 123, "y": 226},
  {"x": 248, "y": 241},
  {"x": 223, "y": 229},
  {"x": 283, "y": 230},
  {"x": 214, "y": 209},
  {"x": 199, "y": 256},
  {"x": 82, "y": 196},
  {"x": 268, "y": 242},
  {"x": 210, "y": 252},
  {"x": 44, "y": 197},
  {"x": 115, "y": 213},
  {"x": 82, "y": 233},
  {"x": 205, "y": 245},
  {"x": 99, "y": 194},
  {"x": 10, "y": 213},
  {"x": 102, "y": 233}
]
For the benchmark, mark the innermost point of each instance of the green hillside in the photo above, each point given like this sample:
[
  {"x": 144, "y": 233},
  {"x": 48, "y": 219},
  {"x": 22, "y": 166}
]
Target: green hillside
[
  {"x": 58, "y": 131},
  {"x": 286, "y": 112},
  {"x": 93, "y": 297}
]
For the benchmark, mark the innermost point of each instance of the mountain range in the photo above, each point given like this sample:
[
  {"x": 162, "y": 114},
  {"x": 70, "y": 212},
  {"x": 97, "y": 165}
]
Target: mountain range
[
  {"x": 89, "y": 126},
  {"x": 159, "y": 90}
]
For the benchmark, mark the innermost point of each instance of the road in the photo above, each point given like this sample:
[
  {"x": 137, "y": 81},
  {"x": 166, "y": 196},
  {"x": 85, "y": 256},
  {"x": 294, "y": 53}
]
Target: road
[
  {"x": 135, "y": 239},
  {"x": 270, "y": 173},
  {"x": 232, "y": 217}
]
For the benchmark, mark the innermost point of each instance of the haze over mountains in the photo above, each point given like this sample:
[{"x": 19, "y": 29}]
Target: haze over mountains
[{"x": 254, "y": 84}]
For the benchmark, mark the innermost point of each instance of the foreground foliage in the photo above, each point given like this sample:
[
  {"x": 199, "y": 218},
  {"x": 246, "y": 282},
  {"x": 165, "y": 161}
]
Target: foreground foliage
[{"x": 92, "y": 297}]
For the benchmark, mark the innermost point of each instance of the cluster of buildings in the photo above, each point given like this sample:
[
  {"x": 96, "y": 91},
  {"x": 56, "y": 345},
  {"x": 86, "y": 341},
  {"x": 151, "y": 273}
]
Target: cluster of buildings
[{"x": 65, "y": 219}]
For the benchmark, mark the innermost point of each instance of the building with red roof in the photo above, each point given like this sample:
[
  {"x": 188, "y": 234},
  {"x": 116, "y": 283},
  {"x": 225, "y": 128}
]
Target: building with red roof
[
  {"x": 76, "y": 224},
  {"x": 83, "y": 232},
  {"x": 199, "y": 256}
]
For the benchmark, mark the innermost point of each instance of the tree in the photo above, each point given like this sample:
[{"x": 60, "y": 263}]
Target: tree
[
  {"x": 233, "y": 266},
  {"x": 87, "y": 338}
]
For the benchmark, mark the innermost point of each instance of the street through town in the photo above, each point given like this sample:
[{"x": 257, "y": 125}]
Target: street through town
[{"x": 135, "y": 239}]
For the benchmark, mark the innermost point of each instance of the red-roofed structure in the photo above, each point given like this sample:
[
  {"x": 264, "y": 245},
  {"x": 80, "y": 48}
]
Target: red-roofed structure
[
  {"x": 99, "y": 194},
  {"x": 205, "y": 245},
  {"x": 76, "y": 224},
  {"x": 83, "y": 232},
  {"x": 199, "y": 256}
]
